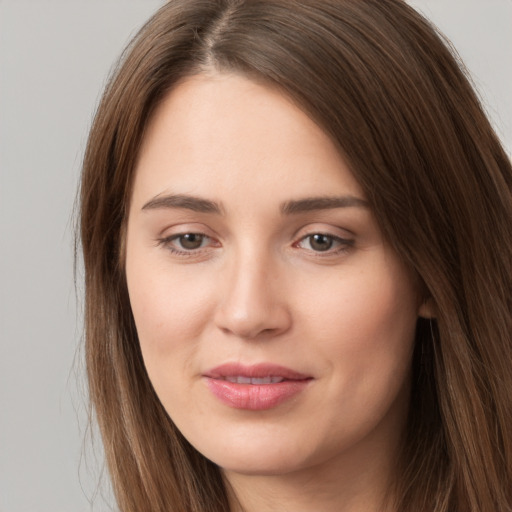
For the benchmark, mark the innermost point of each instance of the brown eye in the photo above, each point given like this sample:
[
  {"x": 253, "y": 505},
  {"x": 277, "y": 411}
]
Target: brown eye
[
  {"x": 320, "y": 242},
  {"x": 188, "y": 244},
  {"x": 191, "y": 241},
  {"x": 323, "y": 243}
]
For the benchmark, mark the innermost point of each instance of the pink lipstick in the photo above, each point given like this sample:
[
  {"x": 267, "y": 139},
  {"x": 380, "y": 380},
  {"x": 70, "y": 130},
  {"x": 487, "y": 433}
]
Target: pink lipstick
[{"x": 256, "y": 388}]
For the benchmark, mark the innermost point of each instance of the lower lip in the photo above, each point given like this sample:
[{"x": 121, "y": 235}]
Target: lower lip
[{"x": 255, "y": 397}]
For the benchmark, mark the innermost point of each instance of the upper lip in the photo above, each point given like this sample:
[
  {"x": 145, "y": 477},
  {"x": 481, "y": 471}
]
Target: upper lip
[{"x": 256, "y": 371}]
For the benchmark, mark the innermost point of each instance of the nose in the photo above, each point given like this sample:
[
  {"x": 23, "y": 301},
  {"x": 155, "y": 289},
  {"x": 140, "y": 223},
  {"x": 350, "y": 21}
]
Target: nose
[{"x": 254, "y": 304}]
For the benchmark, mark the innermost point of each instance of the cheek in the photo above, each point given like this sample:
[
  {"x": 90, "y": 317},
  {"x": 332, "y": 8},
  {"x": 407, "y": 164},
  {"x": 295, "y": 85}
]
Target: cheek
[
  {"x": 169, "y": 326},
  {"x": 158, "y": 312},
  {"x": 365, "y": 330},
  {"x": 366, "y": 324},
  {"x": 170, "y": 312}
]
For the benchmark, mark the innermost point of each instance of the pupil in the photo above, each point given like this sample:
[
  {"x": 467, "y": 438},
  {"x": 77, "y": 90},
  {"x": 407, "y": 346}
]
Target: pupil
[
  {"x": 321, "y": 242},
  {"x": 191, "y": 241}
]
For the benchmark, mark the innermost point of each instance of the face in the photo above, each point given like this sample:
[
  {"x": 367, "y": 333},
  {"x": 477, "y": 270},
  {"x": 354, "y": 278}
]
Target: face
[{"x": 275, "y": 323}]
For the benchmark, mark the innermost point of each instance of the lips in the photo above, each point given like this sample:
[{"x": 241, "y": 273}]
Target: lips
[
  {"x": 258, "y": 387},
  {"x": 240, "y": 379}
]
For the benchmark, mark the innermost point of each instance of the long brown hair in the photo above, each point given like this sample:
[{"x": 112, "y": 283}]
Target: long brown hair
[{"x": 379, "y": 79}]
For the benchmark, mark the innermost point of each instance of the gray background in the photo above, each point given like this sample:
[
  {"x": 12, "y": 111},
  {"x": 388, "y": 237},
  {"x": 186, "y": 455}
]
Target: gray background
[{"x": 54, "y": 59}]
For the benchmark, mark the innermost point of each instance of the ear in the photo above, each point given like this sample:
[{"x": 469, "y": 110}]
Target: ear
[{"x": 427, "y": 309}]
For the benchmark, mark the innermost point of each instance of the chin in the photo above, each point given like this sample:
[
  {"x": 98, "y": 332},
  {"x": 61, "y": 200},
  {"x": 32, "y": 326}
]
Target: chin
[
  {"x": 258, "y": 457},
  {"x": 266, "y": 465}
]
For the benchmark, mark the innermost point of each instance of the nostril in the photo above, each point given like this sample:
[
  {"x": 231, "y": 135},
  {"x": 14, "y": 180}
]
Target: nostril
[{"x": 253, "y": 330}]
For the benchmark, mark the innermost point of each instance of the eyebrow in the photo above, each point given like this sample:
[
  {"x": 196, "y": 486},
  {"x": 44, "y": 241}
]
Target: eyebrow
[
  {"x": 309, "y": 204},
  {"x": 195, "y": 204},
  {"x": 292, "y": 207}
]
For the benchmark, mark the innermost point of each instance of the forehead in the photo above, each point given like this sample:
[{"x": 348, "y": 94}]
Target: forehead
[{"x": 225, "y": 135}]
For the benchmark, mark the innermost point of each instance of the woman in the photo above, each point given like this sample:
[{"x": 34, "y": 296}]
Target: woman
[{"x": 296, "y": 227}]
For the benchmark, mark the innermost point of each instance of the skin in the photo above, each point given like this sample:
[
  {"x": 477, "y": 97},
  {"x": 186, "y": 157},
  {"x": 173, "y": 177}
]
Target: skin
[{"x": 258, "y": 288}]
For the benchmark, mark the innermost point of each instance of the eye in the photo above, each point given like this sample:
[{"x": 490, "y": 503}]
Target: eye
[
  {"x": 320, "y": 242},
  {"x": 184, "y": 243},
  {"x": 190, "y": 241}
]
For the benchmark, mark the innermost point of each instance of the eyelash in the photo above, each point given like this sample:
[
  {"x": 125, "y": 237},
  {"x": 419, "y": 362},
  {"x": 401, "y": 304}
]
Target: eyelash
[
  {"x": 342, "y": 245},
  {"x": 167, "y": 243}
]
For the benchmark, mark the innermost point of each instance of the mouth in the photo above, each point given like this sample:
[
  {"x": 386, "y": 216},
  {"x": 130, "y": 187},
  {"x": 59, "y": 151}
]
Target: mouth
[
  {"x": 255, "y": 381},
  {"x": 255, "y": 388}
]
